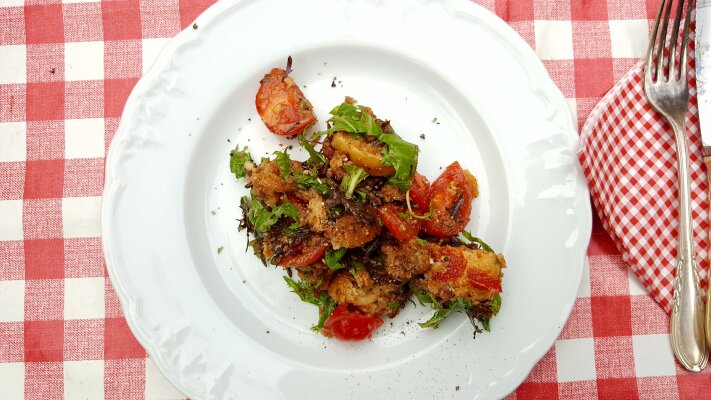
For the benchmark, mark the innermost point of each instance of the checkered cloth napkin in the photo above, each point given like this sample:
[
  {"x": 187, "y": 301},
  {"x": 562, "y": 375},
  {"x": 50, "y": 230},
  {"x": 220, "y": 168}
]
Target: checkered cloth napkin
[
  {"x": 628, "y": 155},
  {"x": 66, "y": 69}
]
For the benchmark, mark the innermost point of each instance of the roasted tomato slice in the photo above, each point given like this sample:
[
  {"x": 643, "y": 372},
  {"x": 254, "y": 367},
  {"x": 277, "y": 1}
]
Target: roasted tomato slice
[
  {"x": 344, "y": 324},
  {"x": 451, "y": 196},
  {"x": 281, "y": 104},
  {"x": 403, "y": 228},
  {"x": 451, "y": 264},
  {"x": 480, "y": 280},
  {"x": 419, "y": 193},
  {"x": 311, "y": 251}
]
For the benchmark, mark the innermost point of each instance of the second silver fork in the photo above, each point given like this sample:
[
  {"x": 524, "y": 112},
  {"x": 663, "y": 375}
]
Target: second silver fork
[{"x": 669, "y": 95}]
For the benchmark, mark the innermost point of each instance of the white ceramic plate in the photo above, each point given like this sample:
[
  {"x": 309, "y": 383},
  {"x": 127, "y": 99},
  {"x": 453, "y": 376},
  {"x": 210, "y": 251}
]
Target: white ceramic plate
[{"x": 223, "y": 326}]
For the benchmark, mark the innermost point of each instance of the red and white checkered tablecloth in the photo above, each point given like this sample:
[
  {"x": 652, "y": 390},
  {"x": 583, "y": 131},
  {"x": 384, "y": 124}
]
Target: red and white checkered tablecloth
[{"x": 66, "y": 69}]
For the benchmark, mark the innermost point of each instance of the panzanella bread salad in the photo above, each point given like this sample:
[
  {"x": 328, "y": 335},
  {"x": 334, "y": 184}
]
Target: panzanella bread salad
[{"x": 362, "y": 229}]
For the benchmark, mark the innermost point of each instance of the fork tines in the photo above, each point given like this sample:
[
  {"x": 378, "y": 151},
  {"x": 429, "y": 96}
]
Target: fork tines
[{"x": 677, "y": 54}]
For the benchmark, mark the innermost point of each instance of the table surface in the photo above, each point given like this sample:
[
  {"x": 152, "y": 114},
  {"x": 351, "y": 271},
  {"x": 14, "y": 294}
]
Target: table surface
[{"x": 66, "y": 69}]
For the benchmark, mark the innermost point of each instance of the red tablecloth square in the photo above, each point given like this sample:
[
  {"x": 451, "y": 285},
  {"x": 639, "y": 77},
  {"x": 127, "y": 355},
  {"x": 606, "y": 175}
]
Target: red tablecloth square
[
  {"x": 593, "y": 77},
  {"x": 43, "y": 24},
  {"x": 116, "y": 92},
  {"x": 43, "y": 179},
  {"x": 44, "y": 258},
  {"x": 589, "y": 11},
  {"x": 45, "y": 100},
  {"x": 44, "y": 341},
  {"x": 611, "y": 315},
  {"x": 625, "y": 388},
  {"x": 119, "y": 342},
  {"x": 514, "y": 11},
  {"x": 121, "y": 19},
  {"x": 537, "y": 391}
]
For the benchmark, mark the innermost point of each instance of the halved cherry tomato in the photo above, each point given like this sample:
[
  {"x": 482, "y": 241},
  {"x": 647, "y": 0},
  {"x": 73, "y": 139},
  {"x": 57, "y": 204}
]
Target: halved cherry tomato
[
  {"x": 451, "y": 196},
  {"x": 419, "y": 193},
  {"x": 311, "y": 251},
  {"x": 351, "y": 325},
  {"x": 281, "y": 104},
  {"x": 402, "y": 228}
]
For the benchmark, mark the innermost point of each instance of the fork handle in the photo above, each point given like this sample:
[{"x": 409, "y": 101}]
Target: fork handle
[{"x": 688, "y": 337}]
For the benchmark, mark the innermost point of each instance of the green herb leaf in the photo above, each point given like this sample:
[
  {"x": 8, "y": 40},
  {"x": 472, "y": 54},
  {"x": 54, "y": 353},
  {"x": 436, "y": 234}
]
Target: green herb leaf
[
  {"x": 354, "y": 269},
  {"x": 425, "y": 298},
  {"x": 326, "y": 305},
  {"x": 495, "y": 304},
  {"x": 238, "y": 159},
  {"x": 303, "y": 289},
  {"x": 262, "y": 218},
  {"x": 306, "y": 292},
  {"x": 304, "y": 180},
  {"x": 393, "y": 305},
  {"x": 398, "y": 153},
  {"x": 283, "y": 162},
  {"x": 360, "y": 196},
  {"x": 485, "y": 324},
  {"x": 421, "y": 241},
  {"x": 289, "y": 210},
  {"x": 311, "y": 181},
  {"x": 353, "y": 119},
  {"x": 315, "y": 157},
  {"x": 219, "y": 249},
  {"x": 333, "y": 258},
  {"x": 478, "y": 241},
  {"x": 402, "y": 156},
  {"x": 259, "y": 216},
  {"x": 354, "y": 176},
  {"x": 460, "y": 305}
]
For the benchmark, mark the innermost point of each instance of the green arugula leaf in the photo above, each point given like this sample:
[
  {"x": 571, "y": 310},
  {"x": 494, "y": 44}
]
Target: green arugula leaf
[
  {"x": 303, "y": 289},
  {"x": 333, "y": 258},
  {"x": 315, "y": 157},
  {"x": 304, "y": 180},
  {"x": 306, "y": 292},
  {"x": 259, "y": 215},
  {"x": 402, "y": 156},
  {"x": 424, "y": 298},
  {"x": 262, "y": 218},
  {"x": 325, "y": 308},
  {"x": 478, "y": 241},
  {"x": 238, "y": 159},
  {"x": 283, "y": 162},
  {"x": 311, "y": 181},
  {"x": 460, "y": 305},
  {"x": 398, "y": 153},
  {"x": 360, "y": 196},
  {"x": 289, "y": 210},
  {"x": 356, "y": 266},
  {"x": 495, "y": 304},
  {"x": 354, "y": 176},
  {"x": 353, "y": 119}
]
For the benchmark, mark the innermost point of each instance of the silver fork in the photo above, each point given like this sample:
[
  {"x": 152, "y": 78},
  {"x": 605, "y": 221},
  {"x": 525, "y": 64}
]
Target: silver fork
[{"x": 669, "y": 95}]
